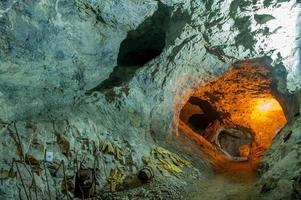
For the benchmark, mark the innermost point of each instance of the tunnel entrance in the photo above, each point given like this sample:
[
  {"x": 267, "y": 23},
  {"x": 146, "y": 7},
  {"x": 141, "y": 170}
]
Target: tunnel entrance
[
  {"x": 235, "y": 117},
  {"x": 199, "y": 122},
  {"x": 199, "y": 114}
]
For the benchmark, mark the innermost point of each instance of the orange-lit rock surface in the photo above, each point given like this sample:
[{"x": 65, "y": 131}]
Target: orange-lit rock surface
[{"x": 243, "y": 97}]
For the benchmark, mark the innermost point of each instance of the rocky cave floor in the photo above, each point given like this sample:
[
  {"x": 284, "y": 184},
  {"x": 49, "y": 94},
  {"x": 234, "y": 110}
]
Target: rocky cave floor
[
  {"x": 222, "y": 185},
  {"x": 194, "y": 185},
  {"x": 215, "y": 186},
  {"x": 187, "y": 181}
]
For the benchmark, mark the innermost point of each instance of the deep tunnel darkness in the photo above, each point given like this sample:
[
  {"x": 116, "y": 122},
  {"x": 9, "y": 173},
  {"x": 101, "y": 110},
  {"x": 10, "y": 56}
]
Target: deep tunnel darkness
[
  {"x": 200, "y": 121},
  {"x": 207, "y": 115}
]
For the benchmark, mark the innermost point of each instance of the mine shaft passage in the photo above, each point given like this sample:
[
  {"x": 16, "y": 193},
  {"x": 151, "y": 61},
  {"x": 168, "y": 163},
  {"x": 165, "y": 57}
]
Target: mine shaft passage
[{"x": 235, "y": 117}]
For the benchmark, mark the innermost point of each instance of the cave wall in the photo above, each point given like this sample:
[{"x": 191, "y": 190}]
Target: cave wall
[
  {"x": 53, "y": 52},
  {"x": 280, "y": 167},
  {"x": 57, "y": 50}
]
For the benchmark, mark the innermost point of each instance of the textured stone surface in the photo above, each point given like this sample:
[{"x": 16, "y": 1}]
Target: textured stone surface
[
  {"x": 280, "y": 168},
  {"x": 52, "y": 52}
]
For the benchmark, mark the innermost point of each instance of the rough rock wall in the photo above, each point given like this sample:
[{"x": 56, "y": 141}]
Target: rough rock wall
[
  {"x": 280, "y": 168},
  {"x": 52, "y": 52}
]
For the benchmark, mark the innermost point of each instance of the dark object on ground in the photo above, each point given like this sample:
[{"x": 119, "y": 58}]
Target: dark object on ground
[
  {"x": 146, "y": 174},
  {"x": 85, "y": 184}
]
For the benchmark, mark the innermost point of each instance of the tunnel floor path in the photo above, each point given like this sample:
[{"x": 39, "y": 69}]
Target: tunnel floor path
[{"x": 224, "y": 186}]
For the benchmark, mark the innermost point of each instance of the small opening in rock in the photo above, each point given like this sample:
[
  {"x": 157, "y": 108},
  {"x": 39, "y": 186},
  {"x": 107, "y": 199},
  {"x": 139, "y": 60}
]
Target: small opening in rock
[
  {"x": 199, "y": 114},
  {"x": 199, "y": 122},
  {"x": 141, "y": 46},
  {"x": 138, "y": 50},
  {"x": 147, "y": 41}
]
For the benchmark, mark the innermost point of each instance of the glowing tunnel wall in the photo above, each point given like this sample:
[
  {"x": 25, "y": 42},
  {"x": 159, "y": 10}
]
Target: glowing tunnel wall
[{"x": 240, "y": 101}]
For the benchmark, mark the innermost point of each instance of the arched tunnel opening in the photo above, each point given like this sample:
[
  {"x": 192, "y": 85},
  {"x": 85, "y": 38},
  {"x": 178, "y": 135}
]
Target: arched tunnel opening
[{"x": 235, "y": 117}]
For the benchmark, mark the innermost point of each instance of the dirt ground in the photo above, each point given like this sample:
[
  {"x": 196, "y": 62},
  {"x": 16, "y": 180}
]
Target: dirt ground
[{"x": 223, "y": 186}]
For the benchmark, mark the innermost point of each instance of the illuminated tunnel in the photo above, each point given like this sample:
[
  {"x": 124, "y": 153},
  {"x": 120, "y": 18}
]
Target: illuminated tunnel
[{"x": 234, "y": 118}]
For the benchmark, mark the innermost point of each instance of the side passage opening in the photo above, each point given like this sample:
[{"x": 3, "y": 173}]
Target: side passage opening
[
  {"x": 139, "y": 47},
  {"x": 235, "y": 117}
]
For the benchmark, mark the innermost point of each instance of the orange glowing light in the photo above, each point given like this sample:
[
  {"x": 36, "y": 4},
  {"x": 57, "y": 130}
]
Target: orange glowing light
[
  {"x": 266, "y": 105},
  {"x": 244, "y": 96},
  {"x": 266, "y": 109}
]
